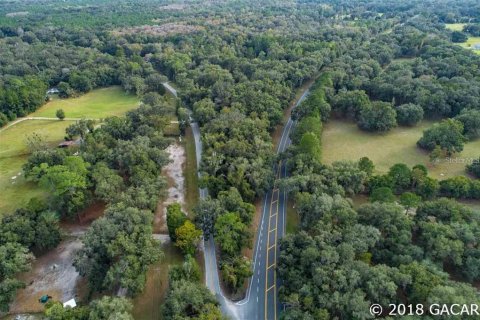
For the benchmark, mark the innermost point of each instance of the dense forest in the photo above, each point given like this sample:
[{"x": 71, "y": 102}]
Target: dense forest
[{"x": 237, "y": 67}]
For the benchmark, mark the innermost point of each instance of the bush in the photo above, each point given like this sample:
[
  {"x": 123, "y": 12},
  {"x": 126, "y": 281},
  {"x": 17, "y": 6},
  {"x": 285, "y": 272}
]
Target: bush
[
  {"x": 379, "y": 116},
  {"x": 447, "y": 134},
  {"x": 382, "y": 194},
  {"x": 474, "y": 168},
  {"x": 409, "y": 114}
]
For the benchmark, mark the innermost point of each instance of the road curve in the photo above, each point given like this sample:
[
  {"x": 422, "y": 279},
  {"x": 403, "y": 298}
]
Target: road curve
[{"x": 261, "y": 301}]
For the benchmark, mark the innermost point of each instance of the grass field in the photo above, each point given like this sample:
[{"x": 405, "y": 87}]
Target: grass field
[
  {"x": 455, "y": 26},
  {"x": 344, "y": 141},
  {"x": 14, "y": 153},
  {"x": 471, "y": 40},
  {"x": 99, "y": 103}
]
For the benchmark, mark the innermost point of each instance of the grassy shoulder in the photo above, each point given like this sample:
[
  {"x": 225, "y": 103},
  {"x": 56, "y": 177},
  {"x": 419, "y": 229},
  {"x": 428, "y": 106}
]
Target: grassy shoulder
[
  {"x": 343, "y": 140},
  {"x": 190, "y": 172},
  {"x": 147, "y": 305},
  {"x": 99, "y": 103}
]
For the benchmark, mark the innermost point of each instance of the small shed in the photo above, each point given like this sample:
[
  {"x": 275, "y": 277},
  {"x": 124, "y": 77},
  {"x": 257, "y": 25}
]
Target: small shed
[
  {"x": 66, "y": 144},
  {"x": 70, "y": 304},
  {"x": 53, "y": 91}
]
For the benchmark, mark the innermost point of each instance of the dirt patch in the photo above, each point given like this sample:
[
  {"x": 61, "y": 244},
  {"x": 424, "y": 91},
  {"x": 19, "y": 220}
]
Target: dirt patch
[
  {"x": 79, "y": 225},
  {"x": 159, "y": 30},
  {"x": 52, "y": 274},
  {"x": 173, "y": 6},
  {"x": 176, "y": 185}
]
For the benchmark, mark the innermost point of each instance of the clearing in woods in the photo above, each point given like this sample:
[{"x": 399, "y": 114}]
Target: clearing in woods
[
  {"x": 99, "y": 103},
  {"x": 343, "y": 140}
]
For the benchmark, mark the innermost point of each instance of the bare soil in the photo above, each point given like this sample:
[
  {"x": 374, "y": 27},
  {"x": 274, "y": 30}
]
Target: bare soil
[
  {"x": 176, "y": 185},
  {"x": 52, "y": 274}
]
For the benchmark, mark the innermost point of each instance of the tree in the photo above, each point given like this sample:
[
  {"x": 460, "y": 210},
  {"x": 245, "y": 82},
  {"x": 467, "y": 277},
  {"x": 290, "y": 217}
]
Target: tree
[
  {"x": 307, "y": 124},
  {"x": 235, "y": 271},
  {"x": 14, "y": 258},
  {"x": 108, "y": 183},
  {"x": 459, "y": 37},
  {"x": 409, "y": 200},
  {"x": 111, "y": 308},
  {"x": 401, "y": 177},
  {"x": 36, "y": 142},
  {"x": 409, "y": 114},
  {"x": 395, "y": 245},
  {"x": 349, "y": 176},
  {"x": 474, "y": 168},
  {"x": 60, "y": 114},
  {"x": 231, "y": 233},
  {"x": 383, "y": 194},
  {"x": 80, "y": 128},
  {"x": 447, "y": 134},
  {"x": 350, "y": 103},
  {"x": 187, "y": 237},
  {"x": 188, "y": 271},
  {"x": 204, "y": 111},
  {"x": 190, "y": 300},
  {"x": 470, "y": 118},
  {"x": 118, "y": 249},
  {"x": 366, "y": 165},
  {"x": 175, "y": 219},
  {"x": 67, "y": 184},
  {"x": 379, "y": 116}
]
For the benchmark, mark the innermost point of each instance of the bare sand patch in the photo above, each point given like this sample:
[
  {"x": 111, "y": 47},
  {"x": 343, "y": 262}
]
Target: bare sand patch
[
  {"x": 52, "y": 274},
  {"x": 176, "y": 185},
  {"x": 159, "y": 30}
]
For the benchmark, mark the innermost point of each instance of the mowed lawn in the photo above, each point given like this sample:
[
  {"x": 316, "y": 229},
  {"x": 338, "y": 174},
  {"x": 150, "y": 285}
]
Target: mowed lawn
[
  {"x": 14, "y": 153},
  {"x": 455, "y": 26},
  {"x": 99, "y": 103},
  {"x": 343, "y": 140}
]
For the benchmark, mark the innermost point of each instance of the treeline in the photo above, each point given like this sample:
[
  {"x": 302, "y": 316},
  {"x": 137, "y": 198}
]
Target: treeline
[
  {"x": 118, "y": 163},
  {"x": 383, "y": 252},
  {"x": 33, "y": 61}
]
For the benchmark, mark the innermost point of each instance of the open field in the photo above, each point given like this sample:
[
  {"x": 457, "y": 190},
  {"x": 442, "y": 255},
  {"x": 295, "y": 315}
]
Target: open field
[
  {"x": 455, "y": 26},
  {"x": 343, "y": 140},
  {"x": 14, "y": 153},
  {"x": 99, "y": 103},
  {"x": 471, "y": 40}
]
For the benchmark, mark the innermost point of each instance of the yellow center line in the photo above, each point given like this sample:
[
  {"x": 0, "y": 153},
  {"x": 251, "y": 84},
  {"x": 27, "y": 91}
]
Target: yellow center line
[
  {"x": 275, "y": 215},
  {"x": 275, "y": 258}
]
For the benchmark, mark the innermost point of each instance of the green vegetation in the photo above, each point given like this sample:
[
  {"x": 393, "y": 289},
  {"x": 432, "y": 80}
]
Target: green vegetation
[
  {"x": 455, "y": 26},
  {"x": 343, "y": 140},
  {"x": 13, "y": 154},
  {"x": 97, "y": 104},
  {"x": 190, "y": 172},
  {"x": 147, "y": 305}
]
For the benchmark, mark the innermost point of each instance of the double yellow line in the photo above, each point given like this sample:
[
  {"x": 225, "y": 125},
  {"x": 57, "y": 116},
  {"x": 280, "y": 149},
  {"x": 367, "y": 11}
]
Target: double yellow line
[{"x": 274, "y": 247}]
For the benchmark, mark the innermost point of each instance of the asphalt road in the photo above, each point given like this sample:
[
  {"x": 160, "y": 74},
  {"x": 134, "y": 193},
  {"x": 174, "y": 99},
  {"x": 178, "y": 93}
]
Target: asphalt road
[{"x": 261, "y": 301}]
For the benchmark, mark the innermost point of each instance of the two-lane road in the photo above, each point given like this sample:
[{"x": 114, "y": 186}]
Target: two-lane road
[{"x": 261, "y": 301}]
